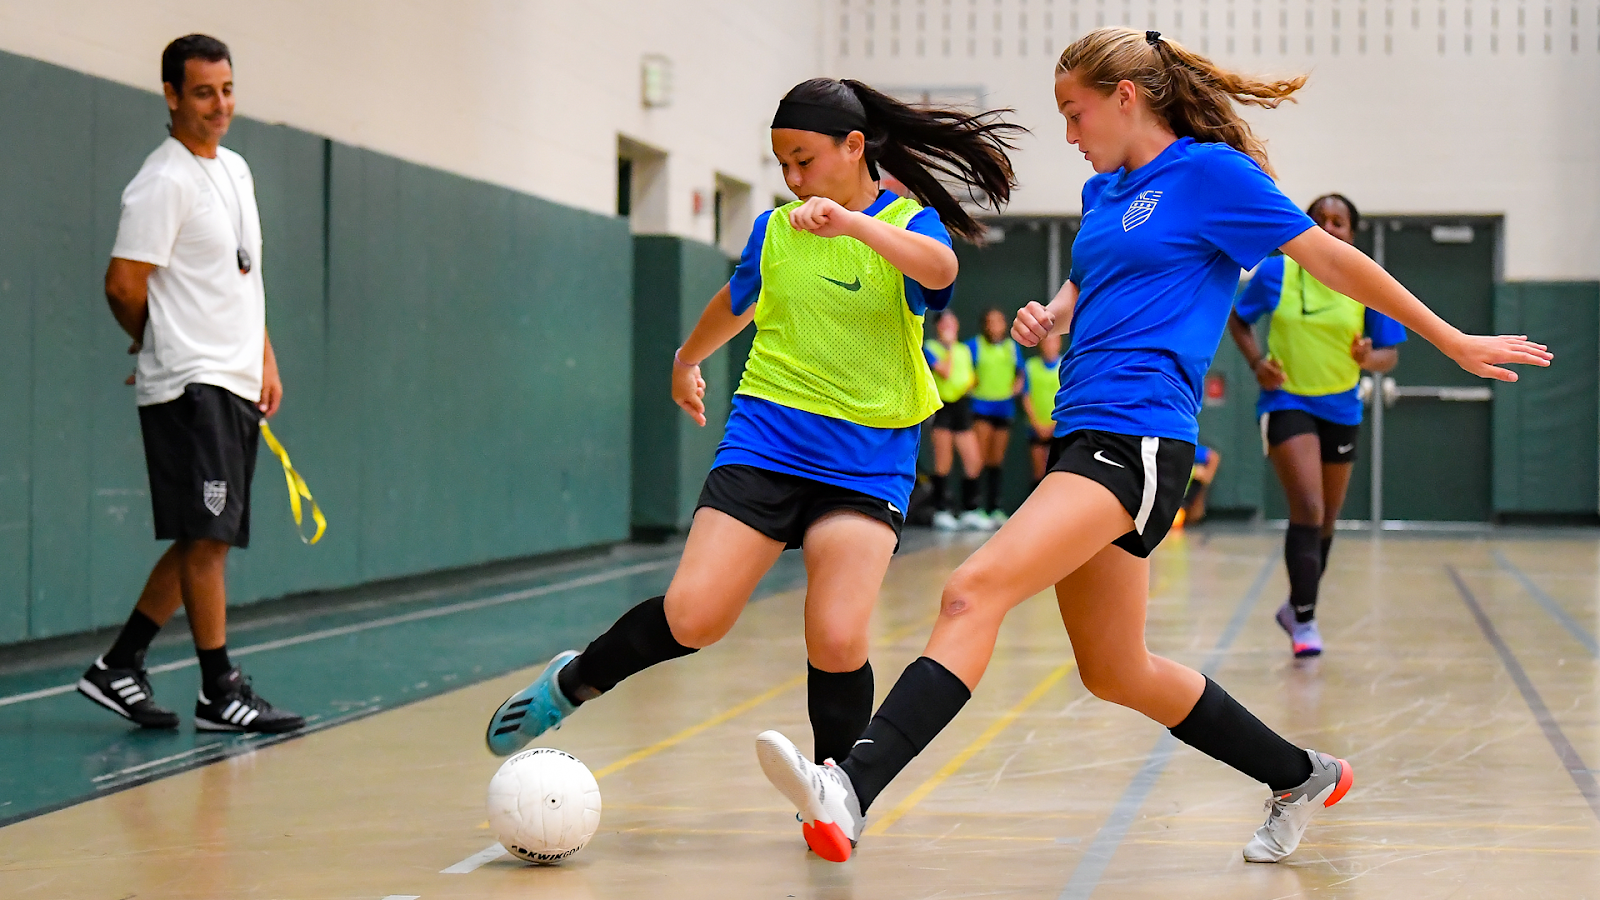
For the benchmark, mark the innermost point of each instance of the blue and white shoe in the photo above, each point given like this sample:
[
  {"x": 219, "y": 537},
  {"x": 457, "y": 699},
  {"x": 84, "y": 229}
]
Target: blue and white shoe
[
  {"x": 1304, "y": 637},
  {"x": 531, "y": 711}
]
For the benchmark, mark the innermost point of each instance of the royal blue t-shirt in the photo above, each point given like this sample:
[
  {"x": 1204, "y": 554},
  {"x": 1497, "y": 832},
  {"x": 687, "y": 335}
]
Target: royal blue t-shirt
[
  {"x": 1156, "y": 262},
  {"x": 879, "y": 462},
  {"x": 1259, "y": 298}
]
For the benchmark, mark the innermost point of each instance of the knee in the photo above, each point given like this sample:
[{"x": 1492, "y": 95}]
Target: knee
[
  {"x": 1307, "y": 509},
  {"x": 696, "y": 626},
  {"x": 965, "y": 595},
  {"x": 1118, "y": 683},
  {"x": 837, "y": 648},
  {"x": 204, "y": 552}
]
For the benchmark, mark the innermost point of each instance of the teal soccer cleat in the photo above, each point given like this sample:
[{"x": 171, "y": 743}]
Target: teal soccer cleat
[{"x": 531, "y": 711}]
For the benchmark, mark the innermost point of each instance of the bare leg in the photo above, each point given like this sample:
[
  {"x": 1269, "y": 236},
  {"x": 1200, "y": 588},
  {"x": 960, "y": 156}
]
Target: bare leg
[
  {"x": 983, "y": 433},
  {"x": 205, "y": 595},
  {"x": 995, "y": 447},
  {"x": 1298, "y": 462},
  {"x": 1103, "y": 606},
  {"x": 943, "y": 453},
  {"x": 971, "y": 458},
  {"x": 1040, "y": 455},
  {"x": 163, "y": 591},
  {"x": 723, "y": 559},
  {"x": 1335, "y": 482},
  {"x": 846, "y": 556}
]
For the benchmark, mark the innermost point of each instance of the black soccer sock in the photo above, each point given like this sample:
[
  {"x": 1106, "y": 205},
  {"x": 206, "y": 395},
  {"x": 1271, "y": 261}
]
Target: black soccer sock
[
  {"x": 213, "y": 665},
  {"x": 127, "y": 651},
  {"x": 991, "y": 488},
  {"x": 1327, "y": 545},
  {"x": 840, "y": 704},
  {"x": 1225, "y": 731},
  {"x": 918, "y": 707},
  {"x": 637, "y": 641},
  {"x": 969, "y": 494},
  {"x": 941, "y": 492},
  {"x": 1302, "y": 556}
]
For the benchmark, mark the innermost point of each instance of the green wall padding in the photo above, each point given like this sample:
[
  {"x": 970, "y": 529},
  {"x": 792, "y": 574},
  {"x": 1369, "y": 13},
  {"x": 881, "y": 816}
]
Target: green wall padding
[
  {"x": 673, "y": 279},
  {"x": 1230, "y": 427},
  {"x": 446, "y": 392},
  {"x": 1547, "y": 424}
]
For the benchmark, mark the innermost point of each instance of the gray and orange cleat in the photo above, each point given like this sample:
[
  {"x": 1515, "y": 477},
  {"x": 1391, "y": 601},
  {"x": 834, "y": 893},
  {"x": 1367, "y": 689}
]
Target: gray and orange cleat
[
  {"x": 830, "y": 814},
  {"x": 1289, "y": 812}
]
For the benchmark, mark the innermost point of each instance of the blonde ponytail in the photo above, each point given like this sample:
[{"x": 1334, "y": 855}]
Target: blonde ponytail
[{"x": 1190, "y": 92}]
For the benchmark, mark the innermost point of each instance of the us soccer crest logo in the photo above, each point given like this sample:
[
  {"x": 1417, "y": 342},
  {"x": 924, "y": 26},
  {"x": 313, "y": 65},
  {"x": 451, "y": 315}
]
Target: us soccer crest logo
[
  {"x": 215, "y": 494},
  {"x": 1140, "y": 209}
]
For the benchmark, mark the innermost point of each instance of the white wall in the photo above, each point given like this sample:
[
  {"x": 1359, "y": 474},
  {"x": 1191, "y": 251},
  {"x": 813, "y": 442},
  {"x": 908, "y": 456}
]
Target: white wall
[
  {"x": 529, "y": 95},
  {"x": 1414, "y": 106}
]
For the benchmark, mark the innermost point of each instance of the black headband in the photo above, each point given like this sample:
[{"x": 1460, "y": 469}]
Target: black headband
[
  {"x": 1154, "y": 37},
  {"x": 819, "y": 117}
]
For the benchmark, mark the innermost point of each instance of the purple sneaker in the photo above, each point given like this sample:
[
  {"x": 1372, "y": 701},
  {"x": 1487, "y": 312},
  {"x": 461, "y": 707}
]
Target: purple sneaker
[{"x": 1304, "y": 636}]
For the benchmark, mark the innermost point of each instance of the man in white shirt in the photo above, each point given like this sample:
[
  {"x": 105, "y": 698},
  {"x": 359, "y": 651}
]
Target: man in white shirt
[{"x": 185, "y": 284}]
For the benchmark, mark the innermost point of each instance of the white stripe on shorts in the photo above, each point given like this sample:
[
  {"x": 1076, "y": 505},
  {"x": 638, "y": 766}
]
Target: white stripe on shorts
[{"x": 1147, "y": 451}]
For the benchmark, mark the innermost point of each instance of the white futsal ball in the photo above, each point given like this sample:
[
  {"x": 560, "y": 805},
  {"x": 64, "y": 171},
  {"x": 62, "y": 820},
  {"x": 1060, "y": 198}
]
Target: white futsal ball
[{"x": 544, "y": 805}]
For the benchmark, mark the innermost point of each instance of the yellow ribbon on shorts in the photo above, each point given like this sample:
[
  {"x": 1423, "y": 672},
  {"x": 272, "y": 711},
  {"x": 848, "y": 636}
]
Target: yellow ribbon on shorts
[{"x": 297, "y": 488}]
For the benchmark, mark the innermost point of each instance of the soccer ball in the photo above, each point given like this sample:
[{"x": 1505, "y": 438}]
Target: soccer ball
[{"x": 544, "y": 805}]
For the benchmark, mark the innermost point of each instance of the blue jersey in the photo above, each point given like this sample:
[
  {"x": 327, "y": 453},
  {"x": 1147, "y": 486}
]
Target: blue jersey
[
  {"x": 1259, "y": 298},
  {"x": 1156, "y": 262},
  {"x": 879, "y": 462}
]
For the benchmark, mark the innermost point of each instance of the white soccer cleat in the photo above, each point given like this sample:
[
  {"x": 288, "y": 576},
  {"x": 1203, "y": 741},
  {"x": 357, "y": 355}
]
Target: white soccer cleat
[
  {"x": 830, "y": 814},
  {"x": 1289, "y": 813}
]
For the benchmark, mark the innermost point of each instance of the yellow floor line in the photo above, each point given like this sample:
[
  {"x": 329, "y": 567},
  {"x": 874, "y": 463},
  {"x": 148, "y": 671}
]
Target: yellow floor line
[
  {"x": 971, "y": 750},
  {"x": 733, "y": 713}
]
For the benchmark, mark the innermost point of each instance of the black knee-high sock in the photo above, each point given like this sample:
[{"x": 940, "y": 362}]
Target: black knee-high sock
[
  {"x": 969, "y": 493},
  {"x": 1302, "y": 555},
  {"x": 991, "y": 488},
  {"x": 918, "y": 707},
  {"x": 840, "y": 704},
  {"x": 1327, "y": 545},
  {"x": 941, "y": 491},
  {"x": 637, "y": 641},
  {"x": 127, "y": 651},
  {"x": 1225, "y": 731}
]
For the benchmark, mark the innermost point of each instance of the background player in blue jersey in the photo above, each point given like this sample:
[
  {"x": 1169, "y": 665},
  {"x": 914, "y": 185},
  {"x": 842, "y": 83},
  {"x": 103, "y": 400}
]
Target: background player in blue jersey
[
  {"x": 820, "y": 449},
  {"x": 1182, "y": 202},
  {"x": 1319, "y": 343}
]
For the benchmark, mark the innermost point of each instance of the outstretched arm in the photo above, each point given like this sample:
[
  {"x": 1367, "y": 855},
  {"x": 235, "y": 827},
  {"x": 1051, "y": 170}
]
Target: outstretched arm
[
  {"x": 716, "y": 327},
  {"x": 1348, "y": 271}
]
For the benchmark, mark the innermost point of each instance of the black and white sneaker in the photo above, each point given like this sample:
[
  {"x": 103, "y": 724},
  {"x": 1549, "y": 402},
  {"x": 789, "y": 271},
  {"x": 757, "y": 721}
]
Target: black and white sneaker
[
  {"x": 237, "y": 707},
  {"x": 127, "y": 693}
]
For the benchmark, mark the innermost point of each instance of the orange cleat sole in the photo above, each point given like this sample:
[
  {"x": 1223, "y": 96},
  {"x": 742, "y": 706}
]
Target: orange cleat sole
[
  {"x": 1347, "y": 778},
  {"x": 827, "y": 840}
]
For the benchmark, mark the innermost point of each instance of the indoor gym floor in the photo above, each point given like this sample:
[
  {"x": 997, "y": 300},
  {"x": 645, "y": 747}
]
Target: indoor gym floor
[{"x": 1460, "y": 681}]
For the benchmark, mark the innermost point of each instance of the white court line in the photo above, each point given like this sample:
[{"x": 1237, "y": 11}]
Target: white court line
[
  {"x": 403, "y": 897},
  {"x": 486, "y": 855},
  {"x": 465, "y": 606},
  {"x": 203, "y": 748}
]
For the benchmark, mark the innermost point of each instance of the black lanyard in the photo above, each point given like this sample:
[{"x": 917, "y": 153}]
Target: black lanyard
[{"x": 240, "y": 254}]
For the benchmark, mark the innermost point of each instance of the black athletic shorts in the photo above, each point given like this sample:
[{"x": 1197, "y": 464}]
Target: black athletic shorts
[
  {"x": 1338, "y": 441},
  {"x": 955, "y": 416},
  {"x": 999, "y": 422},
  {"x": 1147, "y": 475},
  {"x": 783, "y": 506},
  {"x": 200, "y": 450}
]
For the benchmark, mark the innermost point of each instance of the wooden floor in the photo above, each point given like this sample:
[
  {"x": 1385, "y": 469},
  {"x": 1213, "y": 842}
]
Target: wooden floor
[{"x": 1461, "y": 681}]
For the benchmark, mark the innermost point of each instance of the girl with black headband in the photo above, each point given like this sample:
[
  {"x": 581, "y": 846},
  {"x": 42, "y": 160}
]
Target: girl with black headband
[
  {"x": 1183, "y": 201},
  {"x": 820, "y": 448},
  {"x": 1319, "y": 343}
]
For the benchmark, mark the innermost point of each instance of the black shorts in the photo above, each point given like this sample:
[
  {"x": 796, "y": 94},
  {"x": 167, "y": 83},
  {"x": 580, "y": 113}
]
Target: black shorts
[
  {"x": 1338, "y": 441},
  {"x": 200, "y": 450},
  {"x": 783, "y": 506},
  {"x": 1001, "y": 423},
  {"x": 1147, "y": 475},
  {"x": 955, "y": 416}
]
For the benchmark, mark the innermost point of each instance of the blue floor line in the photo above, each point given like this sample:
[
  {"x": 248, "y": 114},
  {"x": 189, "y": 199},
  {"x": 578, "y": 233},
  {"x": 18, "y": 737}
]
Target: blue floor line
[
  {"x": 1092, "y": 865},
  {"x": 1556, "y": 611}
]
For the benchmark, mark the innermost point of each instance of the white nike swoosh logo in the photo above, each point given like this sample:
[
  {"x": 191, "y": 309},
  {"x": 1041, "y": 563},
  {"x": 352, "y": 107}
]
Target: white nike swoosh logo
[
  {"x": 897, "y": 509},
  {"x": 1101, "y": 456},
  {"x": 860, "y": 742},
  {"x": 1346, "y": 448}
]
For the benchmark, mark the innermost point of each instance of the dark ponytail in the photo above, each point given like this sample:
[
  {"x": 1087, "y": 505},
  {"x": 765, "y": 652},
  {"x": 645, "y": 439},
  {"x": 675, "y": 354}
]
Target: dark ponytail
[{"x": 922, "y": 145}]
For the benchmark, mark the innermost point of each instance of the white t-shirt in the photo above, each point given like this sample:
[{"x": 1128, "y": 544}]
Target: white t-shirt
[{"x": 207, "y": 321}]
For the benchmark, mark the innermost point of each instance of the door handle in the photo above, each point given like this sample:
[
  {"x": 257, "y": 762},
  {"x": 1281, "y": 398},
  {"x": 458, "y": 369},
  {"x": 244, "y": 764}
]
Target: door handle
[{"x": 1393, "y": 392}]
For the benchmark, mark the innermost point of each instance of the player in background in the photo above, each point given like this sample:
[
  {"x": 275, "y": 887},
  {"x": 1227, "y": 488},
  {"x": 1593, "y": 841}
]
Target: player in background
[
  {"x": 950, "y": 360},
  {"x": 1001, "y": 377},
  {"x": 1039, "y": 400}
]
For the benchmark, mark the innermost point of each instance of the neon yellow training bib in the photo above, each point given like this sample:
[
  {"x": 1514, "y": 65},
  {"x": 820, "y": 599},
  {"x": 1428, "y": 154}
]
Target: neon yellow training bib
[
  {"x": 962, "y": 374},
  {"x": 997, "y": 369},
  {"x": 1044, "y": 380},
  {"x": 834, "y": 335},
  {"x": 1312, "y": 330}
]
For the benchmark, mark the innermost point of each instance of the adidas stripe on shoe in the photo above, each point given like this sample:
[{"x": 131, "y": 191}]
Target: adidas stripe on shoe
[
  {"x": 127, "y": 693},
  {"x": 237, "y": 707}
]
